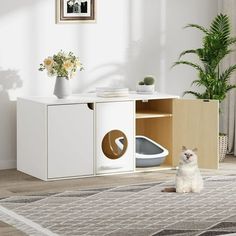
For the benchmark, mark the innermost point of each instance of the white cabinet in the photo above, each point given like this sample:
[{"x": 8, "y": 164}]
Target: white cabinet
[
  {"x": 70, "y": 140},
  {"x": 55, "y": 141},
  {"x": 87, "y": 135}
]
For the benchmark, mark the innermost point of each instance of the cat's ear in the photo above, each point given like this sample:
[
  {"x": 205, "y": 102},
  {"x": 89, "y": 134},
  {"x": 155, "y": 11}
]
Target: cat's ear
[
  {"x": 194, "y": 150},
  {"x": 184, "y": 148}
]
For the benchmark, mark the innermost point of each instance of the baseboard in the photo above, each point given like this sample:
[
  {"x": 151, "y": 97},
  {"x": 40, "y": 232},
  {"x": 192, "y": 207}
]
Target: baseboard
[{"x": 7, "y": 164}]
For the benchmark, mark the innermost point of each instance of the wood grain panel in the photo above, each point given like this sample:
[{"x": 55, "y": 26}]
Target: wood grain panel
[
  {"x": 196, "y": 124},
  {"x": 160, "y": 105}
]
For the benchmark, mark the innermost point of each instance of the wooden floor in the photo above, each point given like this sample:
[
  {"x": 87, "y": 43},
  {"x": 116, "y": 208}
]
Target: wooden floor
[
  {"x": 13, "y": 182},
  {"x": 8, "y": 230}
]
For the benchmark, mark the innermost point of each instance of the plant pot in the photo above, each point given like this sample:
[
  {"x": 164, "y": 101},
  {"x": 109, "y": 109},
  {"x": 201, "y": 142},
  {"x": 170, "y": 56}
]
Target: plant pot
[
  {"x": 62, "y": 88},
  {"x": 146, "y": 89},
  {"x": 223, "y": 143}
]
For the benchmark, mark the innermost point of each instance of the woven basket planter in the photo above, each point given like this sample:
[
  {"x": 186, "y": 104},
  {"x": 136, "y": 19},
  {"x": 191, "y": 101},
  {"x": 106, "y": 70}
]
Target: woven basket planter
[{"x": 223, "y": 143}]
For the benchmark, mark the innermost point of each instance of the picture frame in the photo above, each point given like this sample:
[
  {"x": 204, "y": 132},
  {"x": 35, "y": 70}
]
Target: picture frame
[{"x": 75, "y": 11}]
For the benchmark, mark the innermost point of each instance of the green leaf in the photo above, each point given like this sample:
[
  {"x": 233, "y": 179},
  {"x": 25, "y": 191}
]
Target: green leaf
[
  {"x": 187, "y": 52},
  {"x": 220, "y": 25},
  {"x": 199, "y": 83},
  {"x": 196, "y": 94},
  {"x": 195, "y": 66},
  {"x": 229, "y": 87},
  {"x": 204, "y": 30},
  {"x": 232, "y": 41},
  {"x": 227, "y": 73}
]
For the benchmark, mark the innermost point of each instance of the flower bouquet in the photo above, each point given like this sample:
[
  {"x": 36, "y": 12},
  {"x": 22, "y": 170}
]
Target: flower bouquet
[
  {"x": 64, "y": 66},
  {"x": 61, "y": 64}
]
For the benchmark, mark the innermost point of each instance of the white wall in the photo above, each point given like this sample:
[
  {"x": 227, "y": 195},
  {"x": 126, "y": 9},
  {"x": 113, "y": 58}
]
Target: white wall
[{"x": 131, "y": 38}]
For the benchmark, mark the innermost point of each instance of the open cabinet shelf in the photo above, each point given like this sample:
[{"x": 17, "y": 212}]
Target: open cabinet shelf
[
  {"x": 154, "y": 168},
  {"x": 172, "y": 123},
  {"x": 151, "y": 114},
  {"x": 154, "y": 121}
]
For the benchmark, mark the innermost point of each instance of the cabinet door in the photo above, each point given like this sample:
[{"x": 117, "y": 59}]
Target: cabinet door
[
  {"x": 196, "y": 124},
  {"x": 114, "y": 137},
  {"x": 70, "y": 140}
]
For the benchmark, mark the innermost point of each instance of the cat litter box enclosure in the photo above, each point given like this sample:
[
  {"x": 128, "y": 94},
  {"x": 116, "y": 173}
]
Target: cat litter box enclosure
[
  {"x": 148, "y": 153},
  {"x": 78, "y": 137},
  {"x": 114, "y": 120}
]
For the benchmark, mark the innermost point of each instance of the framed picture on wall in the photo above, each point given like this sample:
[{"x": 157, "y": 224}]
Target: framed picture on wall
[{"x": 69, "y": 11}]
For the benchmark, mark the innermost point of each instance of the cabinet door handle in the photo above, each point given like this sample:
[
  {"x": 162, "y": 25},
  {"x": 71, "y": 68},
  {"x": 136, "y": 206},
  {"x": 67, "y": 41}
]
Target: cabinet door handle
[{"x": 90, "y": 106}]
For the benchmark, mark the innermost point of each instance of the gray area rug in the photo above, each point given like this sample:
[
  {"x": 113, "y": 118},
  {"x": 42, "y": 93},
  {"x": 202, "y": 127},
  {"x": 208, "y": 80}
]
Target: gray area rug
[{"x": 137, "y": 210}]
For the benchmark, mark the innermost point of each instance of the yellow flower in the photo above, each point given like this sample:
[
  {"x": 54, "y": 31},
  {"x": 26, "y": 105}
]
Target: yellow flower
[
  {"x": 48, "y": 62},
  {"x": 67, "y": 65}
]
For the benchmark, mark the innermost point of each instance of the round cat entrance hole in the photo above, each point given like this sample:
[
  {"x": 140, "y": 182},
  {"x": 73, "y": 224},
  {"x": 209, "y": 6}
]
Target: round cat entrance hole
[{"x": 109, "y": 146}]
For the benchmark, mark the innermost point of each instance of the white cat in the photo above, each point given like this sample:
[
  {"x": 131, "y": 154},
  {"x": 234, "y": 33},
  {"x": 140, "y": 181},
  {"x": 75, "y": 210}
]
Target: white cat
[{"x": 188, "y": 176}]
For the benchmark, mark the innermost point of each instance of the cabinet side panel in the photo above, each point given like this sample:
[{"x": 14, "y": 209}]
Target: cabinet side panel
[
  {"x": 32, "y": 138},
  {"x": 196, "y": 124}
]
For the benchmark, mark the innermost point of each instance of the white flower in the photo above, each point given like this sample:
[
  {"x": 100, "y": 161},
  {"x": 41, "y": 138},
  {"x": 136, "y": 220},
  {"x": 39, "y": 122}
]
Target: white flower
[
  {"x": 48, "y": 62},
  {"x": 68, "y": 65}
]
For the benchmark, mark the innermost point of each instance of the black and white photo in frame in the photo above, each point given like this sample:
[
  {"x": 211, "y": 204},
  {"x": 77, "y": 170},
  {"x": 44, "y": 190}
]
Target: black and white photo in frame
[{"x": 75, "y": 11}]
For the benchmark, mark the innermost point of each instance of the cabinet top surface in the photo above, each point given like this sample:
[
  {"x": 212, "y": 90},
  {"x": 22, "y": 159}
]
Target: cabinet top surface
[{"x": 91, "y": 98}]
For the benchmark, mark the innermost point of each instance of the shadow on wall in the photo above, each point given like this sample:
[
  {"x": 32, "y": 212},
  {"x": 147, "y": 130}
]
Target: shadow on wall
[
  {"x": 9, "y": 80},
  {"x": 131, "y": 71},
  {"x": 143, "y": 46}
]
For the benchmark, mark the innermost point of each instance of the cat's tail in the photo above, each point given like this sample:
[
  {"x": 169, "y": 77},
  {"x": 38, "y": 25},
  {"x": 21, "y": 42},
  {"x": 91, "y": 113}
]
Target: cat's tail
[{"x": 169, "y": 190}]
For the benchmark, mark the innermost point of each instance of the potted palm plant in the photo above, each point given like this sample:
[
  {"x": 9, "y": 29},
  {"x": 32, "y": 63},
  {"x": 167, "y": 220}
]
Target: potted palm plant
[{"x": 216, "y": 45}]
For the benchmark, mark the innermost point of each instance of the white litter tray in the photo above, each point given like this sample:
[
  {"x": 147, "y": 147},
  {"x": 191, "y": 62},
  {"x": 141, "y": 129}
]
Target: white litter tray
[{"x": 148, "y": 152}]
